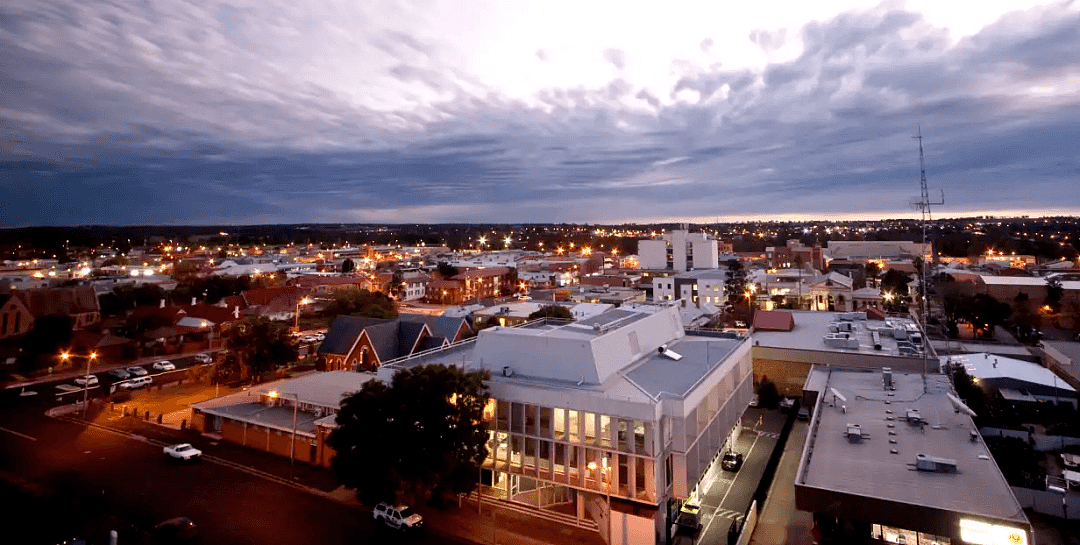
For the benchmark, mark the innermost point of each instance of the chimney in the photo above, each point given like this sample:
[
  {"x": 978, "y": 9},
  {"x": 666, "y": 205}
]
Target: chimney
[
  {"x": 161, "y": 304},
  {"x": 193, "y": 301},
  {"x": 236, "y": 312}
]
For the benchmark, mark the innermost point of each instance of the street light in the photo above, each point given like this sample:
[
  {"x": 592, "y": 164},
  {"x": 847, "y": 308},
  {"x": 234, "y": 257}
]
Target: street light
[
  {"x": 86, "y": 384},
  {"x": 303, "y": 301}
]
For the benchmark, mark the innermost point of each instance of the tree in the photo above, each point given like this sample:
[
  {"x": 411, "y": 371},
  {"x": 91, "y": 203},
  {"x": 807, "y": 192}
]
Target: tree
[
  {"x": 258, "y": 346},
  {"x": 552, "y": 311},
  {"x": 358, "y": 302},
  {"x": 396, "y": 285},
  {"x": 447, "y": 270},
  {"x": 1054, "y": 293},
  {"x": 44, "y": 340},
  {"x": 736, "y": 284},
  {"x": 984, "y": 313},
  {"x": 347, "y": 266},
  {"x": 422, "y": 436},
  {"x": 768, "y": 395},
  {"x": 896, "y": 283}
]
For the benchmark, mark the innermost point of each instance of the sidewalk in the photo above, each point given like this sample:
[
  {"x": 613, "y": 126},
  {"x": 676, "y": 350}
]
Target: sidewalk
[
  {"x": 509, "y": 527},
  {"x": 779, "y": 521}
]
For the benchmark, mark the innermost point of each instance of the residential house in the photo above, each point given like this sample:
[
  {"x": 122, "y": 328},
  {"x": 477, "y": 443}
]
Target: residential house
[
  {"x": 324, "y": 285},
  {"x": 15, "y": 318},
  {"x": 831, "y": 291},
  {"x": 278, "y": 304},
  {"x": 80, "y": 303}
]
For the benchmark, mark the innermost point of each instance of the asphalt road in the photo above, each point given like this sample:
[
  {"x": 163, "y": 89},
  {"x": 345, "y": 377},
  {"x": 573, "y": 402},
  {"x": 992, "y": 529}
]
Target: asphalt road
[{"x": 71, "y": 481}]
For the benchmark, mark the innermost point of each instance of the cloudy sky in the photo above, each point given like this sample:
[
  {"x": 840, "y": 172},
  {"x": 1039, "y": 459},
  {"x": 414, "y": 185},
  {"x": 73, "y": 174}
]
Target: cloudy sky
[{"x": 268, "y": 111}]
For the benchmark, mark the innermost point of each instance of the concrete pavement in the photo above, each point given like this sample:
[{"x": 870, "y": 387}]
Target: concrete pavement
[{"x": 779, "y": 522}]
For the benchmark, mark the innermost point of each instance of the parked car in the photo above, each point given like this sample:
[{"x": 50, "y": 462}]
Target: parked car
[
  {"x": 89, "y": 381},
  {"x": 119, "y": 374},
  {"x": 175, "y": 530},
  {"x": 804, "y": 413},
  {"x": 400, "y": 517},
  {"x": 203, "y": 358},
  {"x": 308, "y": 339},
  {"x": 137, "y": 371},
  {"x": 786, "y": 404},
  {"x": 731, "y": 461},
  {"x": 319, "y": 337},
  {"x": 164, "y": 365},
  {"x": 183, "y": 451},
  {"x": 137, "y": 382}
]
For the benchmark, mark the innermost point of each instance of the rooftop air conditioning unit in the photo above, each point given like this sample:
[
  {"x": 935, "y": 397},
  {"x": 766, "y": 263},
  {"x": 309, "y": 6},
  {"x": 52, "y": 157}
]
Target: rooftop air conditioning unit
[
  {"x": 935, "y": 464},
  {"x": 507, "y": 371}
]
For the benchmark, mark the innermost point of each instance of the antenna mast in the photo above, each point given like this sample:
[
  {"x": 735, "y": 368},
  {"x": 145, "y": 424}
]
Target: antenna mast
[{"x": 923, "y": 204}]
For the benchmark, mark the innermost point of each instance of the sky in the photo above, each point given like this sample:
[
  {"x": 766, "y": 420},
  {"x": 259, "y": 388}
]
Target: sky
[{"x": 137, "y": 112}]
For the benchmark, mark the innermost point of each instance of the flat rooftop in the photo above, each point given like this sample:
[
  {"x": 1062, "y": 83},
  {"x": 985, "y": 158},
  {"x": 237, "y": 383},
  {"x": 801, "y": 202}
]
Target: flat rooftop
[
  {"x": 811, "y": 327},
  {"x": 612, "y": 367},
  {"x": 869, "y": 468}
]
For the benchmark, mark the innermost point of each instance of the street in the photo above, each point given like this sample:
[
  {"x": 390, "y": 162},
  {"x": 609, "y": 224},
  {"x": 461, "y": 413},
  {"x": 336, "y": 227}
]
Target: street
[{"x": 71, "y": 481}]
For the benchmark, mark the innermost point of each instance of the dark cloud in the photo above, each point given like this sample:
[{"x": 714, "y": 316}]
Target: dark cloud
[{"x": 117, "y": 126}]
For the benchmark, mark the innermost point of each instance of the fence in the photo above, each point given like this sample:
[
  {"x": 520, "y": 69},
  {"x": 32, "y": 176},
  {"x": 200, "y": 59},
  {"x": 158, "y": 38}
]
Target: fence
[
  {"x": 1043, "y": 443},
  {"x": 1048, "y": 502}
]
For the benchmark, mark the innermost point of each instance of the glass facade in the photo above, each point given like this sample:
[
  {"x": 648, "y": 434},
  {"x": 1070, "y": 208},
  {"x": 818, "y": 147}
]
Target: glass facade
[{"x": 580, "y": 449}]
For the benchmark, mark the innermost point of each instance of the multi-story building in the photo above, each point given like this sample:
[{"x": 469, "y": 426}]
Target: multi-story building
[
  {"x": 609, "y": 420},
  {"x": 894, "y": 457},
  {"x": 679, "y": 251},
  {"x": 704, "y": 286}
]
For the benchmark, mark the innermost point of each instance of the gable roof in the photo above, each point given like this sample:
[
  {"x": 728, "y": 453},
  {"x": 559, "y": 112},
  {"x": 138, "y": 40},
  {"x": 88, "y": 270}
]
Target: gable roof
[
  {"x": 68, "y": 301},
  {"x": 264, "y": 296},
  {"x": 440, "y": 326},
  {"x": 774, "y": 320},
  {"x": 389, "y": 338}
]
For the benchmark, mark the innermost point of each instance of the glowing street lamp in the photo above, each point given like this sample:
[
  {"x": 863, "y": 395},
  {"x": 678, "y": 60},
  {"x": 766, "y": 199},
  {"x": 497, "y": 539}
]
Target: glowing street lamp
[
  {"x": 303, "y": 301},
  {"x": 86, "y": 385}
]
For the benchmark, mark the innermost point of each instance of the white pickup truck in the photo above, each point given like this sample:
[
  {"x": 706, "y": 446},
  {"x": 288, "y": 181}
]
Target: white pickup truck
[{"x": 400, "y": 516}]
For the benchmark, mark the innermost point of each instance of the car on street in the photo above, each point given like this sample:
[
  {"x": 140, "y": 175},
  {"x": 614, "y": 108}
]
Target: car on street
[
  {"x": 119, "y": 374},
  {"x": 319, "y": 336},
  {"x": 786, "y": 404},
  {"x": 400, "y": 516},
  {"x": 137, "y": 371},
  {"x": 731, "y": 461},
  {"x": 203, "y": 358},
  {"x": 137, "y": 382},
  {"x": 175, "y": 530},
  {"x": 164, "y": 365},
  {"x": 89, "y": 381},
  {"x": 308, "y": 339},
  {"x": 183, "y": 451}
]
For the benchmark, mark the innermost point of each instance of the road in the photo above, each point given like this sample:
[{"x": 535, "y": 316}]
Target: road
[{"x": 72, "y": 480}]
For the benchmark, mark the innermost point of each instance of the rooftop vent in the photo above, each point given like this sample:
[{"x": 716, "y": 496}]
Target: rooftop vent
[
  {"x": 886, "y": 376},
  {"x": 669, "y": 353},
  {"x": 854, "y": 433},
  {"x": 507, "y": 371},
  {"x": 934, "y": 464}
]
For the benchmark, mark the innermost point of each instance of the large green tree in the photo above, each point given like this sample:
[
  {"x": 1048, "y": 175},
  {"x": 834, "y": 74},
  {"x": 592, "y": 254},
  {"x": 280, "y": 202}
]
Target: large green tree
[
  {"x": 422, "y": 436},
  {"x": 552, "y": 311},
  {"x": 257, "y": 346},
  {"x": 357, "y": 302}
]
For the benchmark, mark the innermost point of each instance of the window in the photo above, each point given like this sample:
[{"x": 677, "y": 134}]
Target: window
[
  {"x": 530, "y": 420},
  {"x": 560, "y": 424},
  {"x": 623, "y": 427},
  {"x": 605, "y": 431},
  {"x": 502, "y": 416},
  {"x": 545, "y": 422},
  {"x": 590, "y": 428},
  {"x": 639, "y": 437},
  {"x": 669, "y": 474},
  {"x": 517, "y": 417},
  {"x": 575, "y": 433}
]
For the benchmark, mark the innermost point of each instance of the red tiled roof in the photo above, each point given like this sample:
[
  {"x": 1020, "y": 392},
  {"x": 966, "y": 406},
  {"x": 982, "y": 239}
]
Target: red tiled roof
[
  {"x": 68, "y": 301},
  {"x": 263, "y": 296},
  {"x": 482, "y": 273},
  {"x": 774, "y": 320}
]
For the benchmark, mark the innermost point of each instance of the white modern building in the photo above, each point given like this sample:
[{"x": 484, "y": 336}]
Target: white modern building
[
  {"x": 604, "y": 420},
  {"x": 679, "y": 251},
  {"x": 704, "y": 286}
]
